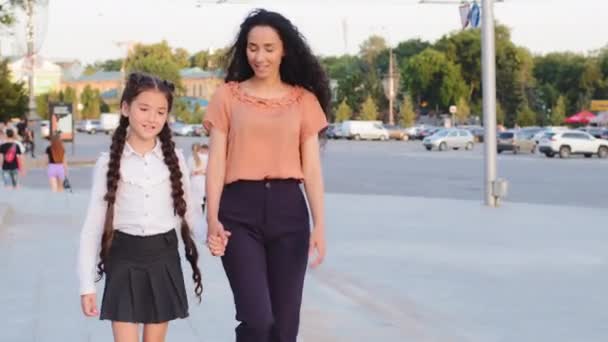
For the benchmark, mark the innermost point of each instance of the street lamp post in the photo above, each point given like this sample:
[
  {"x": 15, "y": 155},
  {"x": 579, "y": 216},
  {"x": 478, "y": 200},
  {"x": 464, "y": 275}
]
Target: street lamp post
[{"x": 494, "y": 189}]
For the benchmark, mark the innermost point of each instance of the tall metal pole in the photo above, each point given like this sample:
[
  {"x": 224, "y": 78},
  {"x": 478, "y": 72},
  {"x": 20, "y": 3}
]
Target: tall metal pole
[
  {"x": 488, "y": 65},
  {"x": 29, "y": 7},
  {"x": 391, "y": 88}
]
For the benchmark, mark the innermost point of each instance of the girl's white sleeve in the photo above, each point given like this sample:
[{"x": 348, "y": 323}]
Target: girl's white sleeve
[
  {"x": 194, "y": 213},
  {"x": 92, "y": 229}
]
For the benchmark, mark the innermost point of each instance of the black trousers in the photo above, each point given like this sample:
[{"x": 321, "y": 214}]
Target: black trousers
[{"x": 266, "y": 258}]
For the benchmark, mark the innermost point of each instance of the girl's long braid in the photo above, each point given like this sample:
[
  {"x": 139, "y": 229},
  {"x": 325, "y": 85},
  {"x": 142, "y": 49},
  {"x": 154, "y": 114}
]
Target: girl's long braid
[
  {"x": 112, "y": 177},
  {"x": 179, "y": 205}
]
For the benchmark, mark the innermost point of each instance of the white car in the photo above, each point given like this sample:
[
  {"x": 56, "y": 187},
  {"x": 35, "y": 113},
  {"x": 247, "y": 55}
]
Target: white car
[
  {"x": 360, "y": 129},
  {"x": 45, "y": 129},
  {"x": 540, "y": 134},
  {"x": 182, "y": 129},
  {"x": 572, "y": 142},
  {"x": 450, "y": 138},
  {"x": 89, "y": 126}
]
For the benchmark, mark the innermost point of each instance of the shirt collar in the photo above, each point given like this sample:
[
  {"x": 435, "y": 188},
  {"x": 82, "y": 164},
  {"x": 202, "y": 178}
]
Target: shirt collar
[{"x": 156, "y": 151}]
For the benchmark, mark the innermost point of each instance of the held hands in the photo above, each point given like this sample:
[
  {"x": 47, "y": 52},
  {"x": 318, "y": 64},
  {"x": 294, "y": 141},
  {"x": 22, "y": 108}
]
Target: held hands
[
  {"x": 88, "y": 302},
  {"x": 217, "y": 238}
]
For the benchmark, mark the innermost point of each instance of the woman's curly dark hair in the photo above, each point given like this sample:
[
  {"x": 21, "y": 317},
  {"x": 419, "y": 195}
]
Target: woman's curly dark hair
[
  {"x": 299, "y": 67},
  {"x": 136, "y": 84}
]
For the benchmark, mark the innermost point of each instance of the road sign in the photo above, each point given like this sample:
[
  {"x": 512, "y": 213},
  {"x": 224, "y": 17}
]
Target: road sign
[
  {"x": 475, "y": 16},
  {"x": 465, "y": 10},
  {"x": 599, "y": 105}
]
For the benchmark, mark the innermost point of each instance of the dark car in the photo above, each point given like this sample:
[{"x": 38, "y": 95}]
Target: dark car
[
  {"x": 478, "y": 133},
  {"x": 515, "y": 141},
  {"x": 427, "y": 132},
  {"x": 604, "y": 134},
  {"x": 595, "y": 131}
]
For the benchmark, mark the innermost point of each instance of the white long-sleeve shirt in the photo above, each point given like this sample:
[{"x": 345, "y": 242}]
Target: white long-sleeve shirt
[{"x": 143, "y": 206}]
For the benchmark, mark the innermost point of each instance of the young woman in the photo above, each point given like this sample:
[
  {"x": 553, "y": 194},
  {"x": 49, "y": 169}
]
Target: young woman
[
  {"x": 57, "y": 168},
  {"x": 140, "y": 197},
  {"x": 264, "y": 124}
]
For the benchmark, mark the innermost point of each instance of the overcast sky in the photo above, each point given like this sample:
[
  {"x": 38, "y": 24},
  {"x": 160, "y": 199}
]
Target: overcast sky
[{"x": 88, "y": 30}]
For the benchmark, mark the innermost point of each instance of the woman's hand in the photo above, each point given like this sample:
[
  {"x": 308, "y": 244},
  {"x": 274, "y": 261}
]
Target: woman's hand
[
  {"x": 317, "y": 242},
  {"x": 217, "y": 238}
]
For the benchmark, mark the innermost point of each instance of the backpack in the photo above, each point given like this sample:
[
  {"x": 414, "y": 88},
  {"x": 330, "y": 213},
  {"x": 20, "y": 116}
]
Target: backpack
[{"x": 11, "y": 154}]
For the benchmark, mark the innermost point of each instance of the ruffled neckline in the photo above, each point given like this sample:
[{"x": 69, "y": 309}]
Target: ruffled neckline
[{"x": 293, "y": 96}]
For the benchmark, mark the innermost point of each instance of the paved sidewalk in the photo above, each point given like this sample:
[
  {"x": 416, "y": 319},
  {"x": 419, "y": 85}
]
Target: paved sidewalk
[{"x": 398, "y": 269}]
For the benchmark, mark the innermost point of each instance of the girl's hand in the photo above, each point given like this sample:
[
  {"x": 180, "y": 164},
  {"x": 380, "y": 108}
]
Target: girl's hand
[
  {"x": 217, "y": 238},
  {"x": 88, "y": 302},
  {"x": 317, "y": 241}
]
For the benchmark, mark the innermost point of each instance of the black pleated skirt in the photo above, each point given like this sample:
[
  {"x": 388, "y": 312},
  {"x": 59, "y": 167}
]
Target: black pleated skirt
[{"x": 144, "y": 280}]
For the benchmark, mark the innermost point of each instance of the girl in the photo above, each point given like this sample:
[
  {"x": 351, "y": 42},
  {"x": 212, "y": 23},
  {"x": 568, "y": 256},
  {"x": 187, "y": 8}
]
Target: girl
[
  {"x": 264, "y": 125},
  {"x": 140, "y": 196},
  {"x": 57, "y": 168},
  {"x": 197, "y": 164}
]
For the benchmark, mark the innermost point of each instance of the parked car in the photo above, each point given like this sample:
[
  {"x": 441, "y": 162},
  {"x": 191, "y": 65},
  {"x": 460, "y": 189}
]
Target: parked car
[
  {"x": 570, "y": 142},
  {"x": 198, "y": 130},
  {"x": 427, "y": 132},
  {"x": 89, "y": 126},
  {"x": 181, "y": 129},
  {"x": 450, "y": 138},
  {"x": 540, "y": 134},
  {"x": 369, "y": 130},
  {"x": 45, "y": 129},
  {"x": 515, "y": 141},
  {"x": 594, "y": 131},
  {"x": 334, "y": 131},
  {"x": 109, "y": 122},
  {"x": 477, "y": 132},
  {"x": 396, "y": 132},
  {"x": 604, "y": 134},
  {"x": 419, "y": 131}
]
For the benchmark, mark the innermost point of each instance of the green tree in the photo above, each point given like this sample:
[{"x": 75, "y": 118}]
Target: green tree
[
  {"x": 371, "y": 48},
  {"x": 558, "y": 114},
  {"x": 572, "y": 75},
  {"x": 200, "y": 59},
  {"x": 218, "y": 59},
  {"x": 182, "y": 58},
  {"x": 91, "y": 103},
  {"x": 526, "y": 116},
  {"x": 157, "y": 59},
  {"x": 407, "y": 114},
  {"x": 431, "y": 77},
  {"x": 111, "y": 64},
  {"x": 13, "y": 96},
  {"x": 349, "y": 71},
  {"x": 183, "y": 112},
  {"x": 344, "y": 112},
  {"x": 403, "y": 52},
  {"x": 369, "y": 111},
  {"x": 463, "y": 111}
]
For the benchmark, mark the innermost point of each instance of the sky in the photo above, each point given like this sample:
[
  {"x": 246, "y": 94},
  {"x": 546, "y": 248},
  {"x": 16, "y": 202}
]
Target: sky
[{"x": 89, "y": 30}]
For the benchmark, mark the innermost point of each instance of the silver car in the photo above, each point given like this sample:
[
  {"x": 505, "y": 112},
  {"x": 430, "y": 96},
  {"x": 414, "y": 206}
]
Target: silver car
[{"x": 450, "y": 138}]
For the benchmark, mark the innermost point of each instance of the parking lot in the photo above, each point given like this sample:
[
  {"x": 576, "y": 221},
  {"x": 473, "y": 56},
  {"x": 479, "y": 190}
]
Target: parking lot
[{"x": 405, "y": 168}]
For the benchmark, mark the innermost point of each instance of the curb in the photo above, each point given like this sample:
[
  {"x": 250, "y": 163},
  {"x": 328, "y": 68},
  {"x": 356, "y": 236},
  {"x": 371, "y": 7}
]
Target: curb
[{"x": 41, "y": 164}]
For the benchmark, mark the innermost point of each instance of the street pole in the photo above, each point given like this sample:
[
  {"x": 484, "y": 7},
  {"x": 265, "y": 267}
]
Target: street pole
[
  {"x": 488, "y": 65},
  {"x": 29, "y": 4},
  {"x": 391, "y": 88}
]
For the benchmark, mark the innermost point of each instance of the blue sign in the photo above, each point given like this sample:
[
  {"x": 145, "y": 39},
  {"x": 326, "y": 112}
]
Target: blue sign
[{"x": 475, "y": 15}]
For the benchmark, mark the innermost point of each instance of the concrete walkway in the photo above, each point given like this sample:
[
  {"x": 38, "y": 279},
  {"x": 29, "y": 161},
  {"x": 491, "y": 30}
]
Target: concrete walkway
[{"x": 398, "y": 269}]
